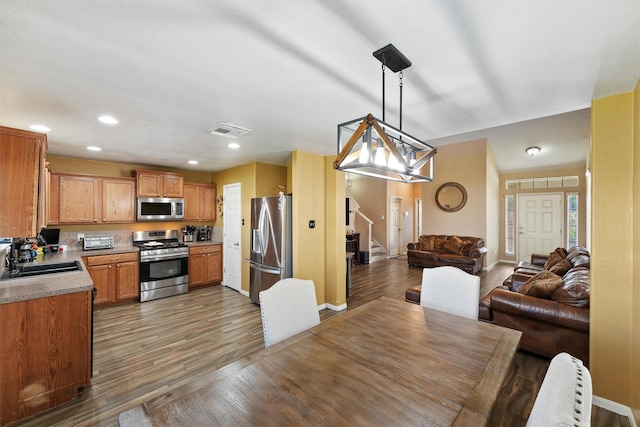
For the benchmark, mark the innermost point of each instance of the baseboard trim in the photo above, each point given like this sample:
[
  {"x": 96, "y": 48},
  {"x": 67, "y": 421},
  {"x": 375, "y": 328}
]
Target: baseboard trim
[
  {"x": 334, "y": 307},
  {"x": 616, "y": 407}
]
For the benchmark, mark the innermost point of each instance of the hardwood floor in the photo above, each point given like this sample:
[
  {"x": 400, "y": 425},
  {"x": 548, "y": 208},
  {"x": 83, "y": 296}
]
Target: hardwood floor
[{"x": 145, "y": 350}]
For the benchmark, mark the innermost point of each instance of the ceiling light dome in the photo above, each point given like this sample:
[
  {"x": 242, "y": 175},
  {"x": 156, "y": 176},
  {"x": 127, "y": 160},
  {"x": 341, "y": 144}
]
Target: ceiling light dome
[{"x": 532, "y": 151}]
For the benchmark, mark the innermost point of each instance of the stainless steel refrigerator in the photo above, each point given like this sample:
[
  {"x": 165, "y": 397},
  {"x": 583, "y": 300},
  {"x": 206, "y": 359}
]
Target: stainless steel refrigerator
[{"x": 270, "y": 243}]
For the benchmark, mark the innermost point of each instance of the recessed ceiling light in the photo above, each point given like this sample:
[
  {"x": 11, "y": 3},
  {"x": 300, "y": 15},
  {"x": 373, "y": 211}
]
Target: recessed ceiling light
[
  {"x": 234, "y": 145},
  {"x": 40, "y": 128},
  {"x": 94, "y": 148},
  {"x": 193, "y": 162},
  {"x": 110, "y": 120}
]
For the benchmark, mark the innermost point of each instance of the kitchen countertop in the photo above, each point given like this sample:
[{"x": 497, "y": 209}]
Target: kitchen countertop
[{"x": 46, "y": 285}]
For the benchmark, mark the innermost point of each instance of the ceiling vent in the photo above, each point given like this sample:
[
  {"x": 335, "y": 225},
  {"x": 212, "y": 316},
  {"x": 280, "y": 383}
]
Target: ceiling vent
[{"x": 228, "y": 130}]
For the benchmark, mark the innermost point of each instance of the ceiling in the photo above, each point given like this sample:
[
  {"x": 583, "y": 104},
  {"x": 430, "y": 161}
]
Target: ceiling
[{"x": 518, "y": 73}]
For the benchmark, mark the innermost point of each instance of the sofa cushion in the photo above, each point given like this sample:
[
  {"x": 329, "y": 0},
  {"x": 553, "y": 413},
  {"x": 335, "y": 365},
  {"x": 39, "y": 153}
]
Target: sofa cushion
[
  {"x": 427, "y": 243},
  {"x": 542, "y": 285}
]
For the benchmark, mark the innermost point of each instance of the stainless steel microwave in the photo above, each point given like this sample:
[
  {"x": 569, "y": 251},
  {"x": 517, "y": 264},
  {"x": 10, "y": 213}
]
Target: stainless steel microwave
[{"x": 160, "y": 209}]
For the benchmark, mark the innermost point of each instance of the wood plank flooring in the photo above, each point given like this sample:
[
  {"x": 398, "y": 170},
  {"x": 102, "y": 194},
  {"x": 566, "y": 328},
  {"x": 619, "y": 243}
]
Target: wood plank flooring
[{"x": 142, "y": 351}]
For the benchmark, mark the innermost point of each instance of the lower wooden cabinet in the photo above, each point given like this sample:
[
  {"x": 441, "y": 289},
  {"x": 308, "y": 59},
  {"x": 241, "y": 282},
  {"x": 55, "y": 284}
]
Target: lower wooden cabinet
[
  {"x": 205, "y": 265},
  {"x": 45, "y": 353},
  {"x": 116, "y": 278}
]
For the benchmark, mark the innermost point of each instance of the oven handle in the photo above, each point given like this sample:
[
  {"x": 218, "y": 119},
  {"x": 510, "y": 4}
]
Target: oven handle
[{"x": 163, "y": 257}]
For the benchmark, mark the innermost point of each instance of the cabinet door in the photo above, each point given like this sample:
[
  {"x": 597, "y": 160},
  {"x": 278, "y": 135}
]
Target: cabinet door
[
  {"x": 52, "y": 197},
  {"x": 49, "y": 339},
  {"x": 197, "y": 270},
  {"x": 208, "y": 203},
  {"x": 19, "y": 181},
  {"x": 78, "y": 199},
  {"x": 102, "y": 281},
  {"x": 149, "y": 184},
  {"x": 173, "y": 186},
  {"x": 214, "y": 267},
  {"x": 118, "y": 200},
  {"x": 191, "y": 205},
  {"x": 127, "y": 280}
]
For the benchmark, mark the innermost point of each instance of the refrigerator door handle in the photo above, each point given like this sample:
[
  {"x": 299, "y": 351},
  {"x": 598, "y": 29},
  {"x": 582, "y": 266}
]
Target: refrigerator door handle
[{"x": 265, "y": 269}]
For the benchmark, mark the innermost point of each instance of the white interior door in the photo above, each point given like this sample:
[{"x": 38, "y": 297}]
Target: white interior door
[
  {"x": 232, "y": 231},
  {"x": 394, "y": 226},
  {"x": 418, "y": 216},
  {"x": 540, "y": 224}
]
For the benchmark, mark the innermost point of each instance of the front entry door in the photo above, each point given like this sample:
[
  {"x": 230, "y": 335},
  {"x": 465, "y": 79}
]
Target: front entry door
[
  {"x": 394, "y": 226},
  {"x": 232, "y": 232},
  {"x": 540, "y": 224}
]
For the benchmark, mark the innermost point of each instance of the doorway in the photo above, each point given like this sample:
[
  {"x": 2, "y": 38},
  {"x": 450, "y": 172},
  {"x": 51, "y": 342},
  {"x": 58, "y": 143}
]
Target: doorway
[
  {"x": 232, "y": 214},
  {"x": 540, "y": 224}
]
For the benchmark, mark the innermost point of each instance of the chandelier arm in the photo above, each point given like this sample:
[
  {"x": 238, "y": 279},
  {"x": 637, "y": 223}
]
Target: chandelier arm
[{"x": 352, "y": 141}]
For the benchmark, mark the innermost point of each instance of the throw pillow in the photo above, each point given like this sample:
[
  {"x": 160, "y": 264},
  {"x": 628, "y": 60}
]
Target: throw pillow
[
  {"x": 466, "y": 247},
  {"x": 561, "y": 267},
  {"x": 554, "y": 258},
  {"x": 452, "y": 245},
  {"x": 542, "y": 285}
]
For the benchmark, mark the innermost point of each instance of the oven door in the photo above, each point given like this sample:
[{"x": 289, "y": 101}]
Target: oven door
[{"x": 163, "y": 272}]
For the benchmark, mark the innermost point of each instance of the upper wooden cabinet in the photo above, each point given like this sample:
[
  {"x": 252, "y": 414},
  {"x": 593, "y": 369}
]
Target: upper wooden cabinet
[
  {"x": 199, "y": 202},
  {"x": 159, "y": 184},
  {"x": 22, "y": 182},
  {"x": 88, "y": 199}
]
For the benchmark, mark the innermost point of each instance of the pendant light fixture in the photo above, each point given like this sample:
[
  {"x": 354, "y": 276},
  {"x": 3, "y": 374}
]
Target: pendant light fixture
[{"x": 369, "y": 146}]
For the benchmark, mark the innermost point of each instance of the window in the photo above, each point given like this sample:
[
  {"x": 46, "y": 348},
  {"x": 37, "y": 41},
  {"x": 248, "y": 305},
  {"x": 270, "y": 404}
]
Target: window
[
  {"x": 572, "y": 219},
  {"x": 510, "y": 224}
]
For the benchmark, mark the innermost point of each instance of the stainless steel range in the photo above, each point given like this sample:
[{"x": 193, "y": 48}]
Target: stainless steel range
[{"x": 164, "y": 264}]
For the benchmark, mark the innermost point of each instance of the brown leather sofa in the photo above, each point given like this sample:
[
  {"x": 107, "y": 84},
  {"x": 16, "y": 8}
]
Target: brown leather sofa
[
  {"x": 464, "y": 252},
  {"x": 550, "y": 310}
]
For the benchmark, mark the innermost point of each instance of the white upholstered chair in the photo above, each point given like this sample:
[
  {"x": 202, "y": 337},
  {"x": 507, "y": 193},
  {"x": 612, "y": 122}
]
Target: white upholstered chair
[
  {"x": 288, "y": 308},
  {"x": 452, "y": 290},
  {"x": 565, "y": 395}
]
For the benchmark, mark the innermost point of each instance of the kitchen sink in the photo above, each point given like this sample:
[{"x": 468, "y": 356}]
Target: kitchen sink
[{"x": 28, "y": 270}]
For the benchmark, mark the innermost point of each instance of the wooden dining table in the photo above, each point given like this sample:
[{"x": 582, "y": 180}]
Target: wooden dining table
[{"x": 388, "y": 362}]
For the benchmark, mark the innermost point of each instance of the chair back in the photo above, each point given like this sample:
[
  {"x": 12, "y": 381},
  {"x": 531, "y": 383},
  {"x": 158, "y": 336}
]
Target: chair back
[
  {"x": 451, "y": 290},
  {"x": 565, "y": 396},
  {"x": 288, "y": 308}
]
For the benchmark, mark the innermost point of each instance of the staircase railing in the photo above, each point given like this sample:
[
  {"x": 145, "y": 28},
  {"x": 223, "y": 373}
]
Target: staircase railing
[{"x": 363, "y": 226}]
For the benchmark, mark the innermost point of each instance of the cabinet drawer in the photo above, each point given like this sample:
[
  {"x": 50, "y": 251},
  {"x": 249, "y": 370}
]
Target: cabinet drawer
[
  {"x": 109, "y": 259},
  {"x": 205, "y": 249}
]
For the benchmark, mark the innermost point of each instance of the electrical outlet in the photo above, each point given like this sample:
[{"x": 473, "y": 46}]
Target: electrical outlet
[{"x": 80, "y": 237}]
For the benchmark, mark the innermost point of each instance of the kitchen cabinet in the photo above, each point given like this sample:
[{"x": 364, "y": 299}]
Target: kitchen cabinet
[
  {"x": 22, "y": 182},
  {"x": 159, "y": 184},
  {"x": 205, "y": 265},
  {"x": 199, "y": 202},
  {"x": 89, "y": 199},
  {"x": 115, "y": 278},
  {"x": 45, "y": 353}
]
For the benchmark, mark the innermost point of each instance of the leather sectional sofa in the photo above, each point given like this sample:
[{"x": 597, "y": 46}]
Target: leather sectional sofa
[
  {"x": 549, "y": 304},
  {"x": 464, "y": 252}
]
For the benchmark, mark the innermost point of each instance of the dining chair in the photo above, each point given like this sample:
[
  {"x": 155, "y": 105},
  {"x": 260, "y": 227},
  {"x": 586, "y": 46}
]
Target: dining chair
[
  {"x": 288, "y": 308},
  {"x": 452, "y": 290},
  {"x": 565, "y": 395}
]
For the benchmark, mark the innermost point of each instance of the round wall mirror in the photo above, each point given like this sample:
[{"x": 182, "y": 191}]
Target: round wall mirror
[{"x": 451, "y": 197}]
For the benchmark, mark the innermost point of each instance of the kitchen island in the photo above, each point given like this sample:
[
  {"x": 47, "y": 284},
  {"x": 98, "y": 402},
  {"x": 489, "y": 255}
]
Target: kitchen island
[{"x": 45, "y": 346}]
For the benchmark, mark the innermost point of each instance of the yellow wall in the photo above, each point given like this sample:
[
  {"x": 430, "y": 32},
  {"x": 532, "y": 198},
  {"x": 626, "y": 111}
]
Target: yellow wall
[
  {"x": 579, "y": 171},
  {"x": 245, "y": 175},
  {"x": 309, "y": 204},
  {"x": 270, "y": 180},
  {"x": 615, "y": 237},
  {"x": 336, "y": 268}
]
